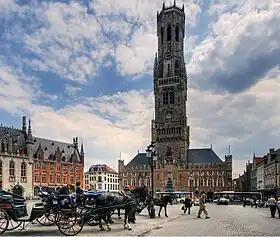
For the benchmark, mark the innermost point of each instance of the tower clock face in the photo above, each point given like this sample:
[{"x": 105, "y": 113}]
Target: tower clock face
[
  {"x": 168, "y": 55},
  {"x": 168, "y": 115}
]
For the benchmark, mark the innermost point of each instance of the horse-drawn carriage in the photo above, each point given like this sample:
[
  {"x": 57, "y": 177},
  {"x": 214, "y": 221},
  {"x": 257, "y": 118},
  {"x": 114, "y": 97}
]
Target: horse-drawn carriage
[{"x": 68, "y": 213}]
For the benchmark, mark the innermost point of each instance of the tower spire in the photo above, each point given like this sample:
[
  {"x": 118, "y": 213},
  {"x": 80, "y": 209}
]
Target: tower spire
[
  {"x": 23, "y": 124},
  {"x": 29, "y": 133},
  {"x": 156, "y": 66}
]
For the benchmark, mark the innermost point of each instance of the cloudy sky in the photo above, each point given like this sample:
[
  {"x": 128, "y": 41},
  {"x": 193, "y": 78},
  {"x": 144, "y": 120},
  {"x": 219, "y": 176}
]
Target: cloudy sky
[{"x": 84, "y": 68}]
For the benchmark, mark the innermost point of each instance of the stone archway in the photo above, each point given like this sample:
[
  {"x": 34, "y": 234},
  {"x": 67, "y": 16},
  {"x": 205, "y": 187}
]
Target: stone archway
[{"x": 18, "y": 189}]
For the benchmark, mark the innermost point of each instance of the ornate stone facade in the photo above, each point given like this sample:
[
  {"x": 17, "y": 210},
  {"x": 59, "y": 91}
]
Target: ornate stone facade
[
  {"x": 190, "y": 168},
  {"x": 28, "y": 162}
]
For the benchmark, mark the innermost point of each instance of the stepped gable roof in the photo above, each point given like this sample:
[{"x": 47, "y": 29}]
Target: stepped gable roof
[
  {"x": 139, "y": 160},
  {"x": 50, "y": 147},
  {"x": 203, "y": 156}
]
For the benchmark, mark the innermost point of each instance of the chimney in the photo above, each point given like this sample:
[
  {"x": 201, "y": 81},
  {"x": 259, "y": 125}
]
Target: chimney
[{"x": 23, "y": 124}]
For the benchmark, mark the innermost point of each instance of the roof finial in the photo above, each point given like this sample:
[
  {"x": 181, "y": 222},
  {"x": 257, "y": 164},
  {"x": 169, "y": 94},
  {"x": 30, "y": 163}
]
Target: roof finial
[
  {"x": 82, "y": 148},
  {"x": 229, "y": 150},
  {"x": 183, "y": 7},
  {"x": 211, "y": 146},
  {"x": 163, "y": 5},
  {"x": 174, "y": 4}
]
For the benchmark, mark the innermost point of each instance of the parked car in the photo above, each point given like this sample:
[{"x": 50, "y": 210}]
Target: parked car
[{"x": 223, "y": 201}]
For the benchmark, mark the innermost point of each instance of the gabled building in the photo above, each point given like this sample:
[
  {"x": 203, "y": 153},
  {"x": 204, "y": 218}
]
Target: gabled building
[
  {"x": 270, "y": 172},
  {"x": 260, "y": 174},
  {"x": 253, "y": 174},
  {"x": 28, "y": 163},
  {"x": 102, "y": 178},
  {"x": 190, "y": 168}
]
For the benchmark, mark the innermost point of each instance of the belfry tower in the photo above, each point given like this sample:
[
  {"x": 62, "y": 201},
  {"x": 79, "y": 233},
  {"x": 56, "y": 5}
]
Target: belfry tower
[{"x": 170, "y": 130}]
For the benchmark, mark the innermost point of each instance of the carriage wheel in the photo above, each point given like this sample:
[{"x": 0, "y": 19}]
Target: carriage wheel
[
  {"x": 48, "y": 219},
  {"x": 4, "y": 221},
  {"x": 13, "y": 225},
  {"x": 70, "y": 224}
]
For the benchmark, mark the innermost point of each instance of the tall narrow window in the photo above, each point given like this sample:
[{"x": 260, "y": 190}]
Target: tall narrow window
[
  {"x": 177, "y": 67},
  {"x": 171, "y": 97},
  {"x": 165, "y": 98},
  {"x": 23, "y": 169},
  {"x": 12, "y": 169},
  {"x": 168, "y": 33},
  {"x": 177, "y": 33},
  {"x": 168, "y": 70},
  {"x": 161, "y": 35}
]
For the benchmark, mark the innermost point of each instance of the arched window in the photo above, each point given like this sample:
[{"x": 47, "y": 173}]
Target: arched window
[
  {"x": 200, "y": 182},
  {"x": 208, "y": 183},
  {"x": 171, "y": 97},
  {"x": 12, "y": 169},
  {"x": 165, "y": 98},
  {"x": 23, "y": 169},
  {"x": 148, "y": 182},
  {"x": 177, "y": 67},
  {"x": 177, "y": 33},
  {"x": 161, "y": 35},
  {"x": 133, "y": 183},
  {"x": 168, "y": 33}
]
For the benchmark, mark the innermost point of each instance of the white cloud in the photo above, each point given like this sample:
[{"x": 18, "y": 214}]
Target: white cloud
[
  {"x": 7, "y": 7},
  {"x": 240, "y": 48},
  {"x": 71, "y": 90}
]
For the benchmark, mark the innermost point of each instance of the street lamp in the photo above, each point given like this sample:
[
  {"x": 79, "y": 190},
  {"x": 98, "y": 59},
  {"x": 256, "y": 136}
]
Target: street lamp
[
  {"x": 151, "y": 154},
  {"x": 152, "y": 157}
]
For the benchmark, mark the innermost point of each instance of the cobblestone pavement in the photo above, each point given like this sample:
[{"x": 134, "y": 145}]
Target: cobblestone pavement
[
  {"x": 232, "y": 220},
  {"x": 225, "y": 220}
]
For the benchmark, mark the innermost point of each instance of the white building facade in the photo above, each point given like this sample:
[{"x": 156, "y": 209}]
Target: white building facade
[{"x": 101, "y": 178}]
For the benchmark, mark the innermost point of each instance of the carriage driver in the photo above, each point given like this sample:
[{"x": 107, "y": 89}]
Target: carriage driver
[{"x": 126, "y": 191}]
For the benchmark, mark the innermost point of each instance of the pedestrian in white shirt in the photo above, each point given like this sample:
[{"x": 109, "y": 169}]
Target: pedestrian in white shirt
[
  {"x": 278, "y": 207},
  {"x": 271, "y": 202}
]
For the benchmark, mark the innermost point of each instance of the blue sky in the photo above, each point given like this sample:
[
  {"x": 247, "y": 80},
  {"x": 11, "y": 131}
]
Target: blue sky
[{"x": 84, "y": 68}]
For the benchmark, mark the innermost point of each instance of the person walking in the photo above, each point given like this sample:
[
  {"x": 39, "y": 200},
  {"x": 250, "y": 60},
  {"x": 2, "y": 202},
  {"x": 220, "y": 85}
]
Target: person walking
[
  {"x": 278, "y": 207},
  {"x": 187, "y": 204},
  {"x": 202, "y": 207},
  {"x": 271, "y": 202}
]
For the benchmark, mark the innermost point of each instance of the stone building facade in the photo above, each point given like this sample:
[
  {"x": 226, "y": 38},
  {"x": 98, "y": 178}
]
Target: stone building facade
[
  {"x": 190, "y": 168},
  {"x": 28, "y": 163}
]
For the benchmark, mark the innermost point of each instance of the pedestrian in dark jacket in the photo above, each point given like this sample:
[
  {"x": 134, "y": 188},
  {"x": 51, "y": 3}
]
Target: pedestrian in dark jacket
[{"x": 188, "y": 205}]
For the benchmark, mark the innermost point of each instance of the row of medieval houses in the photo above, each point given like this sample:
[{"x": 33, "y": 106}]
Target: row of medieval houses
[{"x": 261, "y": 174}]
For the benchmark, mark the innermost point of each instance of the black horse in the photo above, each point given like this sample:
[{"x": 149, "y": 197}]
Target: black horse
[
  {"x": 139, "y": 195},
  {"x": 105, "y": 204},
  {"x": 161, "y": 202}
]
